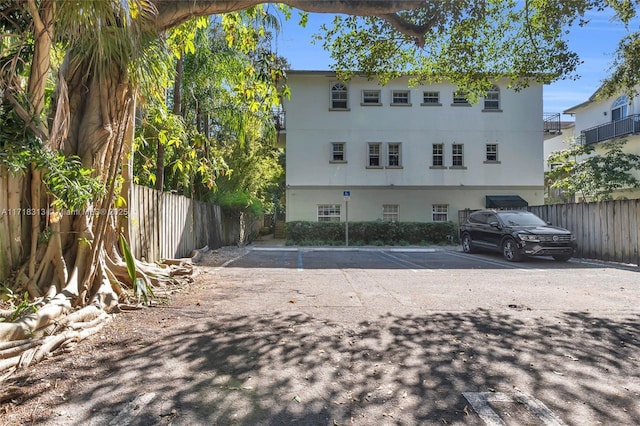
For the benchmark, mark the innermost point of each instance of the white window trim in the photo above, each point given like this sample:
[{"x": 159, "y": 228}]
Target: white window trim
[
  {"x": 461, "y": 167},
  {"x": 344, "y": 153},
  {"x": 400, "y": 104},
  {"x": 486, "y": 160},
  {"x": 380, "y": 156},
  {"x": 394, "y": 210},
  {"x": 458, "y": 94},
  {"x": 435, "y": 211},
  {"x": 330, "y": 208},
  {"x": 388, "y": 153},
  {"x": 431, "y": 103},
  {"x": 498, "y": 101},
  {"x": 442, "y": 155},
  {"x": 331, "y": 92},
  {"x": 363, "y": 103}
]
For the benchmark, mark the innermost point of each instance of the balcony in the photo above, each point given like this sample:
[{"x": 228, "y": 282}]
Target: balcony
[{"x": 627, "y": 126}]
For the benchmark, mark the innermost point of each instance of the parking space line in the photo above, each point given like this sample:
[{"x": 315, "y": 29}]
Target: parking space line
[
  {"x": 480, "y": 403},
  {"x": 402, "y": 262},
  {"x": 300, "y": 268},
  {"x": 493, "y": 262}
]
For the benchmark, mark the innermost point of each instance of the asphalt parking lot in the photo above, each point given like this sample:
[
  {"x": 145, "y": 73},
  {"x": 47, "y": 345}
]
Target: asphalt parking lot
[{"x": 302, "y": 336}]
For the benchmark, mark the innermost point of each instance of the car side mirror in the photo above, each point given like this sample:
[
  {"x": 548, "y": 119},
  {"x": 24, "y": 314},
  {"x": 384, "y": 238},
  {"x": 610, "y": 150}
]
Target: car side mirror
[{"x": 494, "y": 224}]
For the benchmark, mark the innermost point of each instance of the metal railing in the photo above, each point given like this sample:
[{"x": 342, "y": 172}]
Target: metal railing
[{"x": 614, "y": 129}]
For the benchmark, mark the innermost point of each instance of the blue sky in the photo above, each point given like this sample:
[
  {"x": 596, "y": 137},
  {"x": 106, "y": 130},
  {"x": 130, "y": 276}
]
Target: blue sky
[{"x": 595, "y": 44}]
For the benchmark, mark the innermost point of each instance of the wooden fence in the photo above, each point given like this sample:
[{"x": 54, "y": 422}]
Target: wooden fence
[
  {"x": 166, "y": 225},
  {"x": 607, "y": 230}
]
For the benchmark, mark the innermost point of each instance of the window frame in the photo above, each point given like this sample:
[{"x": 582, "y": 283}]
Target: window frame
[
  {"x": 334, "y": 96},
  {"x": 329, "y": 212},
  {"x": 398, "y": 155},
  {"x": 391, "y": 212},
  {"x": 434, "y": 94},
  {"x": 460, "y": 99},
  {"x": 394, "y": 97},
  {"x": 377, "y": 155},
  {"x": 487, "y": 153},
  {"x": 436, "y": 213},
  {"x": 619, "y": 107},
  {"x": 439, "y": 155},
  {"x": 363, "y": 97},
  {"x": 332, "y": 158},
  {"x": 492, "y": 100},
  {"x": 457, "y": 155}
]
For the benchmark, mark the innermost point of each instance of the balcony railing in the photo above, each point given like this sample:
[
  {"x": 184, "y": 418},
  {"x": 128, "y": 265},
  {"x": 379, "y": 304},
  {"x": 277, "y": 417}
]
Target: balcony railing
[
  {"x": 627, "y": 126},
  {"x": 552, "y": 124}
]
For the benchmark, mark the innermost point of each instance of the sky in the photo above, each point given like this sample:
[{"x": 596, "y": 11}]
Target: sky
[{"x": 594, "y": 43}]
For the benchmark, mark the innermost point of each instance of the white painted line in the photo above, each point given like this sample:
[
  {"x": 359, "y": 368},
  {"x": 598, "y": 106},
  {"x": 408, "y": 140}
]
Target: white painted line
[
  {"x": 404, "y": 263},
  {"x": 480, "y": 403}
]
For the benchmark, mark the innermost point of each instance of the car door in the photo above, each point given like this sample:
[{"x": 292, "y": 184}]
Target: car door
[{"x": 493, "y": 231}]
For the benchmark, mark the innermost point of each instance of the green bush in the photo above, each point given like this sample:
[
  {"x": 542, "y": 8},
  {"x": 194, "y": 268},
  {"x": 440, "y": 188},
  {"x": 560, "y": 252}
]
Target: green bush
[{"x": 370, "y": 233}]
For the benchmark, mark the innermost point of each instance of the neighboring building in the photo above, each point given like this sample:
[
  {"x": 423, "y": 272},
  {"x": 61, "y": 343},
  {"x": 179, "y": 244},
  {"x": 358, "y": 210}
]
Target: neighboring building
[
  {"x": 598, "y": 121},
  {"x": 408, "y": 153},
  {"x": 556, "y": 139}
]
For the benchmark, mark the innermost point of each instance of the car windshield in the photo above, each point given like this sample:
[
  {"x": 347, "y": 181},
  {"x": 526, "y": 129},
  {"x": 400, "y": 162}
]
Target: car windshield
[{"x": 521, "y": 219}]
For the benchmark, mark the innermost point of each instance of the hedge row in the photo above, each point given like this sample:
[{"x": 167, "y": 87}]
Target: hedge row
[{"x": 370, "y": 233}]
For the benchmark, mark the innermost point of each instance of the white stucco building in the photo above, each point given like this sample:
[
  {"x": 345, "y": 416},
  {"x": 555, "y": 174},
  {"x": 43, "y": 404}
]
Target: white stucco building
[
  {"x": 600, "y": 120},
  {"x": 408, "y": 153}
]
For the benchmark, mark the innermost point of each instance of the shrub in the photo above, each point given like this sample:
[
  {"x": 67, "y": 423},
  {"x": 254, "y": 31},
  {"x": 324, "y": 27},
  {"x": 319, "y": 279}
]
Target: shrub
[{"x": 370, "y": 233}]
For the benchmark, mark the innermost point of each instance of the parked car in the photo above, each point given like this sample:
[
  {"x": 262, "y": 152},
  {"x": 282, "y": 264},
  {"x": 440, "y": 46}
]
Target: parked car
[{"x": 516, "y": 234}]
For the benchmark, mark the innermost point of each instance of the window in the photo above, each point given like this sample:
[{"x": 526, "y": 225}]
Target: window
[
  {"x": 438, "y": 155},
  {"x": 492, "y": 153},
  {"x": 619, "y": 108},
  {"x": 457, "y": 155},
  {"x": 373, "y": 154},
  {"x": 328, "y": 212},
  {"x": 460, "y": 98},
  {"x": 371, "y": 97},
  {"x": 390, "y": 212},
  {"x": 492, "y": 99},
  {"x": 430, "y": 98},
  {"x": 440, "y": 213},
  {"x": 338, "y": 152},
  {"x": 339, "y": 96},
  {"x": 400, "y": 97},
  {"x": 393, "y": 155}
]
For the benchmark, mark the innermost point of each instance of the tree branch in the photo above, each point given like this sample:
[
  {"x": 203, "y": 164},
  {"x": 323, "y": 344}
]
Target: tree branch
[{"x": 172, "y": 13}]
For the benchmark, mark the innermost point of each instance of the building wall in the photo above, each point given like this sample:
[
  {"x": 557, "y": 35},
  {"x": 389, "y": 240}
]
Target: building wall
[
  {"x": 598, "y": 112},
  {"x": 312, "y": 127}
]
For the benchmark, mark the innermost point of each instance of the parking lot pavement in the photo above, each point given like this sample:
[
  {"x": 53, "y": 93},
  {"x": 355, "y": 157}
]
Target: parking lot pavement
[{"x": 382, "y": 337}]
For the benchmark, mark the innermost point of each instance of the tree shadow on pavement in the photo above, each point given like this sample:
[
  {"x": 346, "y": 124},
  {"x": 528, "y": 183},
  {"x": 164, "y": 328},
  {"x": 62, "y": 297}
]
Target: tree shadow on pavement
[{"x": 408, "y": 370}]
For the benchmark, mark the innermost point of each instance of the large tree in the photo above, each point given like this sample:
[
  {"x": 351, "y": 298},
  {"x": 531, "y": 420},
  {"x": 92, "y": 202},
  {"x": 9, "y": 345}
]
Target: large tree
[{"x": 105, "y": 46}]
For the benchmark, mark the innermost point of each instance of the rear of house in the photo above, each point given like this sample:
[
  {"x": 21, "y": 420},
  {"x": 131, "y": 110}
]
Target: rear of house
[{"x": 408, "y": 153}]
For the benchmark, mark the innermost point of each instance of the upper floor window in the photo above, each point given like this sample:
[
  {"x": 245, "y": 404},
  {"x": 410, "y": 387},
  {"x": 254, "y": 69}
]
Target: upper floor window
[
  {"x": 390, "y": 212},
  {"x": 492, "y": 99},
  {"x": 339, "y": 96},
  {"x": 440, "y": 213},
  {"x": 400, "y": 97},
  {"x": 338, "y": 152},
  {"x": 619, "y": 108},
  {"x": 430, "y": 98},
  {"x": 394, "y": 158},
  {"x": 371, "y": 97},
  {"x": 328, "y": 212},
  {"x": 438, "y": 154},
  {"x": 491, "y": 153},
  {"x": 373, "y": 154},
  {"x": 457, "y": 155},
  {"x": 460, "y": 98}
]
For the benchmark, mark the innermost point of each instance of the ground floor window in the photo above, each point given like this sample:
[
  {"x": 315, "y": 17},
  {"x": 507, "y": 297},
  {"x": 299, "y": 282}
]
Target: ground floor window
[
  {"x": 440, "y": 213},
  {"x": 328, "y": 212},
  {"x": 390, "y": 212}
]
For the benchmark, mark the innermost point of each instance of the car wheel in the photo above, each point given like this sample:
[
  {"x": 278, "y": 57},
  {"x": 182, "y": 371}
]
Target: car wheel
[
  {"x": 562, "y": 257},
  {"x": 467, "y": 245},
  {"x": 510, "y": 250}
]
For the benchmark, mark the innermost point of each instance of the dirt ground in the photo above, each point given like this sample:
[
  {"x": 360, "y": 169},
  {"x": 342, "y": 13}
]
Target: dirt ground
[{"x": 30, "y": 395}]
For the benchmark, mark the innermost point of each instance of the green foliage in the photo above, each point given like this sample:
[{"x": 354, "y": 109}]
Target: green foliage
[
  {"x": 468, "y": 43},
  {"x": 21, "y": 306},
  {"x": 140, "y": 287},
  {"x": 239, "y": 201},
  {"x": 370, "y": 233},
  {"x": 581, "y": 169}
]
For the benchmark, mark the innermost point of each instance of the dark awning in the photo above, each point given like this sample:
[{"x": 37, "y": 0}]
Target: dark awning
[{"x": 505, "y": 202}]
